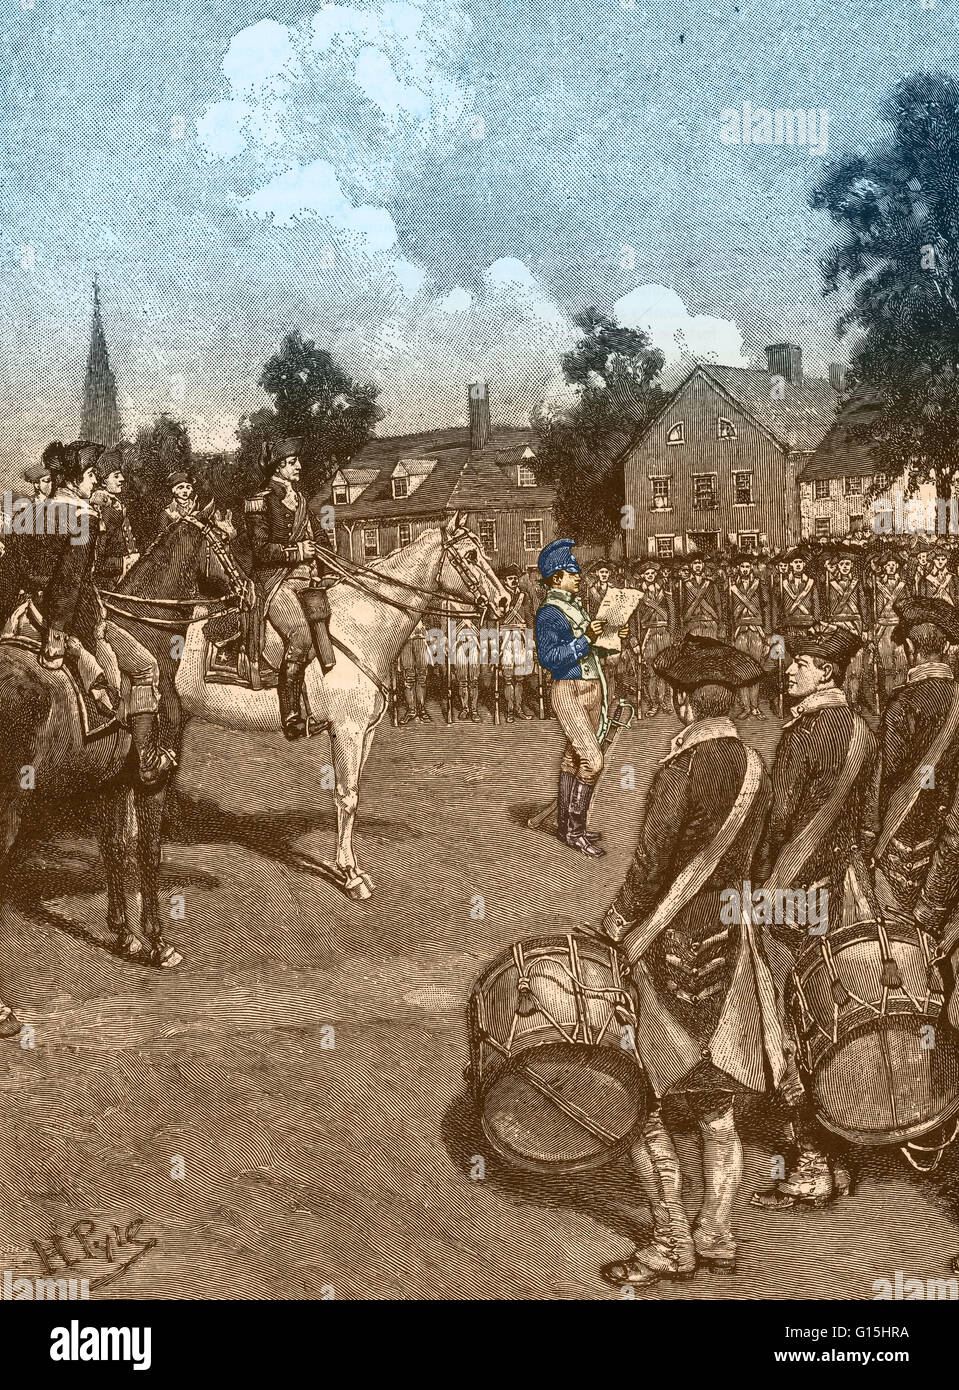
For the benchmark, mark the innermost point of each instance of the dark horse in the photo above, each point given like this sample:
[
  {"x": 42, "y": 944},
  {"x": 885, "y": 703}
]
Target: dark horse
[{"x": 45, "y": 758}]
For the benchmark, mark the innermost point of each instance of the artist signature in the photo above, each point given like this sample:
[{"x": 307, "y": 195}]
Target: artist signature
[{"x": 99, "y": 1254}]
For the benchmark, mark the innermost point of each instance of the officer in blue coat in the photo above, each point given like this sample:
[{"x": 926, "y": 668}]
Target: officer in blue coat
[{"x": 565, "y": 645}]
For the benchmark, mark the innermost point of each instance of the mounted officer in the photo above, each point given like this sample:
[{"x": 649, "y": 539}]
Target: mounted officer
[
  {"x": 565, "y": 640},
  {"x": 287, "y": 545},
  {"x": 60, "y": 577},
  {"x": 118, "y": 549}
]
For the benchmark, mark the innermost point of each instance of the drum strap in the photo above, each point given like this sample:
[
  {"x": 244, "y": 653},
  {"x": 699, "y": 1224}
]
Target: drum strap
[
  {"x": 796, "y": 854},
  {"x": 700, "y": 868},
  {"x": 906, "y": 794}
]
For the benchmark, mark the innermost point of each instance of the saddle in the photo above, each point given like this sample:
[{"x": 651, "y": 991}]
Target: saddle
[
  {"x": 234, "y": 655},
  {"x": 85, "y": 675}
]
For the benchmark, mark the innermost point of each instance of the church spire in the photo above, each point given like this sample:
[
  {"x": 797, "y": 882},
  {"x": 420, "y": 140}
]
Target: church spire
[{"x": 101, "y": 420}]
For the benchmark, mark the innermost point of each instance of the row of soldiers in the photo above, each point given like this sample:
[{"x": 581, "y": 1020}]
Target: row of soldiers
[
  {"x": 870, "y": 820},
  {"x": 745, "y": 602}
]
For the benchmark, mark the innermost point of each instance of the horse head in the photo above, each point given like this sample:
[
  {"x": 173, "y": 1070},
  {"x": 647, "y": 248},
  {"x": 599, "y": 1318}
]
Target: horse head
[
  {"x": 473, "y": 577},
  {"x": 188, "y": 562}
]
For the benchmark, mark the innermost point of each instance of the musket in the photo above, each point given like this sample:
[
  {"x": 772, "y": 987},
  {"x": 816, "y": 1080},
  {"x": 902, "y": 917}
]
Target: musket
[{"x": 449, "y": 670}]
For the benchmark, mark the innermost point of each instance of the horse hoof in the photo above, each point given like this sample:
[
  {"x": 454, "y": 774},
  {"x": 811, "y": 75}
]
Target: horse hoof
[
  {"x": 357, "y": 888},
  {"x": 130, "y": 947},
  {"x": 10, "y": 1025},
  {"x": 166, "y": 957}
]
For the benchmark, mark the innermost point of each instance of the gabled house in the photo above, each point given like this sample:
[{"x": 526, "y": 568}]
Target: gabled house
[
  {"x": 402, "y": 484},
  {"x": 718, "y": 467}
]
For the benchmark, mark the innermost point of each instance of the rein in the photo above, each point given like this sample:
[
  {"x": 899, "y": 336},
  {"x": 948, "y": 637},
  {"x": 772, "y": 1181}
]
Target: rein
[
  {"x": 187, "y": 605},
  {"x": 349, "y": 571}
]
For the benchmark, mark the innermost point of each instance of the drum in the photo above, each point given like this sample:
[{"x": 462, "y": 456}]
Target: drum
[
  {"x": 866, "y": 1003},
  {"x": 555, "y": 1076}
]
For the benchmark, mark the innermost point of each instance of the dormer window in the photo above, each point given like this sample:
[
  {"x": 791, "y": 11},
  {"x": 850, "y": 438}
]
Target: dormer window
[
  {"x": 527, "y": 478},
  {"x": 341, "y": 497},
  {"x": 400, "y": 486},
  {"x": 676, "y": 434},
  {"x": 725, "y": 429}
]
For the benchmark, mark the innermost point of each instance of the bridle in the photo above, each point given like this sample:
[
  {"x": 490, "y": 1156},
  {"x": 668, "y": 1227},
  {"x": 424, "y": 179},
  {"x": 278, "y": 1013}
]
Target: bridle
[
  {"x": 239, "y": 585},
  {"x": 353, "y": 574}
]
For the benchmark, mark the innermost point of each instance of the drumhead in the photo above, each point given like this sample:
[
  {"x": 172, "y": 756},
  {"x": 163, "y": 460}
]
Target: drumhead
[
  {"x": 881, "y": 1086},
  {"x": 562, "y": 1108}
]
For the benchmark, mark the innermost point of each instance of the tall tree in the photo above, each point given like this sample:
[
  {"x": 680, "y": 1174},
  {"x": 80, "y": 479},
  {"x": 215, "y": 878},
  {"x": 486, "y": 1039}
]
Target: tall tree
[
  {"x": 613, "y": 372},
  {"x": 161, "y": 448},
  {"x": 315, "y": 399},
  {"x": 899, "y": 209}
]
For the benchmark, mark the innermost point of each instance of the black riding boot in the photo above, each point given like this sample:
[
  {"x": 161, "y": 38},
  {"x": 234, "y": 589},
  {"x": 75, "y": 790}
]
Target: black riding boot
[
  {"x": 155, "y": 762},
  {"x": 578, "y": 836},
  {"x": 290, "y": 693}
]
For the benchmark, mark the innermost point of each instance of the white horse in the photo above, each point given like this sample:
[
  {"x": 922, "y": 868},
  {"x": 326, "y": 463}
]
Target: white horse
[{"x": 372, "y": 613}]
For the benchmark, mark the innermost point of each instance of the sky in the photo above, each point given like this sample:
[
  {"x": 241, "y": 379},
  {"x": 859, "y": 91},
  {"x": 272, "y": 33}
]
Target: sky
[{"x": 428, "y": 191}]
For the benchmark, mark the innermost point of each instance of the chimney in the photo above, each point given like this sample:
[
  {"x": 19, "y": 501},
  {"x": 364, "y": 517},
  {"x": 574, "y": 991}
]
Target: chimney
[
  {"x": 837, "y": 377},
  {"x": 480, "y": 428},
  {"x": 785, "y": 360}
]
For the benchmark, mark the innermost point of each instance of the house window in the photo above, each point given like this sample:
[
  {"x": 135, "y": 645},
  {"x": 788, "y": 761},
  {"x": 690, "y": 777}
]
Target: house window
[
  {"x": 702, "y": 542},
  {"x": 748, "y": 540},
  {"x": 527, "y": 478},
  {"x": 676, "y": 434},
  {"x": 664, "y": 546},
  {"x": 404, "y": 533},
  {"x": 532, "y": 535},
  {"x": 660, "y": 501},
  {"x": 341, "y": 496},
  {"x": 855, "y": 524},
  {"x": 704, "y": 489},
  {"x": 487, "y": 534},
  {"x": 820, "y": 489},
  {"x": 371, "y": 541},
  {"x": 854, "y": 487},
  {"x": 725, "y": 429},
  {"x": 744, "y": 488},
  {"x": 400, "y": 487},
  {"x": 822, "y": 525}
]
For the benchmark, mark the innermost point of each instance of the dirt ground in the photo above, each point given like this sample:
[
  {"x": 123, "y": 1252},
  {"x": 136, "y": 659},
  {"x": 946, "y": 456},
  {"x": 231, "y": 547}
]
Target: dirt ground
[{"x": 270, "y": 1157}]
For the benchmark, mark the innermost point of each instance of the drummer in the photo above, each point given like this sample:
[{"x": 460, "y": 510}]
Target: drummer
[
  {"x": 824, "y": 807},
  {"x": 704, "y": 816}
]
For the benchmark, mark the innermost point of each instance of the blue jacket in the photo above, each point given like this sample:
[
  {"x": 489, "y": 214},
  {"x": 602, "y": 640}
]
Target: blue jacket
[{"x": 556, "y": 647}]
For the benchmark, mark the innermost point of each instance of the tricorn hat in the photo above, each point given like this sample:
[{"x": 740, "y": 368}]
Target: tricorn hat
[
  {"x": 36, "y": 471},
  {"x": 913, "y": 611},
  {"x": 284, "y": 449},
  {"x": 85, "y": 452},
  {"x": 825, "y": 640},
  {"x": 174, "y": 479},
  {"x": 699, "y": 661},
  {"x": 512, "y": 572}
]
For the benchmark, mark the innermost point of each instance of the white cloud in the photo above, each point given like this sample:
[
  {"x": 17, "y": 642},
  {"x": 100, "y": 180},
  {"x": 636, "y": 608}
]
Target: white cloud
[
  {"x": 257, "y": 55},
  {"x": 314, "y": 190},
  {"x": 679, "y": 335}
]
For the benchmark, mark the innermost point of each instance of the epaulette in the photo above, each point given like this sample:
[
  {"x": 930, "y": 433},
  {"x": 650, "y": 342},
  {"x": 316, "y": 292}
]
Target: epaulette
[{"x": 256, "y": 504}]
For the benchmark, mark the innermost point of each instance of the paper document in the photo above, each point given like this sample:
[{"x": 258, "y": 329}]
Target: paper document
[{"x": 615, "y": 610}]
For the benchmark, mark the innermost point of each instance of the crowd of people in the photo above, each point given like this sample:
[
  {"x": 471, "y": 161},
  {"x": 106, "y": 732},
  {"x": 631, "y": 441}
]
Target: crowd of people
[{"x": 453, "y": 669}]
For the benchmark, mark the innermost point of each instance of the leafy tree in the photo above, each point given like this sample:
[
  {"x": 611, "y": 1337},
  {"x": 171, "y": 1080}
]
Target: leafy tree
[
  {"x": 613, "y": 372},
  {"x": 161, "y": 449},
  {"x": 899, "y": 262},
  {"x": 315, "y": 399}
]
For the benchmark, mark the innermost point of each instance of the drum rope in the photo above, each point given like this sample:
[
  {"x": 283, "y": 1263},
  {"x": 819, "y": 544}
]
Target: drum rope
[
  {"x": 621, "y": 1005},
  {"x": 937, "y": 1150}
]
